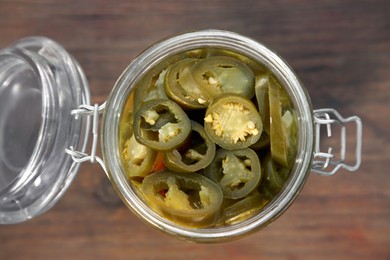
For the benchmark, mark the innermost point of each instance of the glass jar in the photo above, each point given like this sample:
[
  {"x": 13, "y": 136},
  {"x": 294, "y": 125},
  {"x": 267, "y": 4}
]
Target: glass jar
[{"x": 309, "y": 155}]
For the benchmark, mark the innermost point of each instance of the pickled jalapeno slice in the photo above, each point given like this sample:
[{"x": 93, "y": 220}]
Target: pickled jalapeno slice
[
  {"x": 195, "y": 154},
  {"x": 237, "y": 172},
  {"x": 151, "y": 87},
  {"x": 243, "y": 209},
  {"x": 233, "y": 122},
  {"x": 253, "y": 65},
  {"x": 161, "y": 125},
  {"x": 222, "y": 74},
  {"x": 137, "y": 159},
  {"x": 182, "y": 88},
  {"x": 125, "y": 129},
  {"x": 261, "y": 91},
  {"x": 281, "y": 124},
  {"x": 274, "y": 177},
  {"x": 188, "y": 198}
]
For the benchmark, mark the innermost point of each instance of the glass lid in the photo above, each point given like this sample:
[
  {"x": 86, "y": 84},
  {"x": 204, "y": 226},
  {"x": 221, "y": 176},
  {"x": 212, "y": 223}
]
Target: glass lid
[{"x": 40, "y": 83}]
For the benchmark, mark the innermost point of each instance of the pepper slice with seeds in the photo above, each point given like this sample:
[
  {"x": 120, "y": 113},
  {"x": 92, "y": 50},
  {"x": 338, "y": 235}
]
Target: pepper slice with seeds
[
  {"x": 197, "y": 153},
  {"x": 244, "y": 209},
  {"x": 151, "y": 87},
  {"x": 237, "y": 172},
  {"x": 137, "y": 159},
  {"x": 233, "y": 122},
  {"x": 161, "y": 125},
  {"x": 188, "y": 198},
  {"x": 256, "y": 67},
  {"x": 222, "y": 74},
  {"x": 182, "y": 88},
  {"x": 282, "y": 125},
  {"x": 261, "y": 90}
]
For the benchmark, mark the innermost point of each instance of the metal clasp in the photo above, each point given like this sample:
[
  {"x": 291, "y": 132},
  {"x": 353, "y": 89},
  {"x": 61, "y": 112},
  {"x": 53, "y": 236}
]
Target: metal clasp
[
  {"x": 94, "y": 111},
  {"x": 326, "y": 163}
]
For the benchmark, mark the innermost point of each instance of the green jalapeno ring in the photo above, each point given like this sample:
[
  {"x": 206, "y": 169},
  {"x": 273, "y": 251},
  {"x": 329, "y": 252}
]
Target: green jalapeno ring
[
  {"x": 195, "y": 156},
  {"x": 137, "y": 159},
  {"x": 125, "y": 129},
  {"x": 274, "y": 177},
  {"x": 279, "y": 149},
  {"x": 150, "y": 87},
  {"x": 243, "y": 209},
  {"x": 182, "y": 88},
  {"x": 126, "y": 122},
  {"x": 262, "y": 98},
  {"x": 237, "y": 172},
  {"x": 233, "y": 122},
  {"x": 161, "y": 125},
  {"x": 188, "y": 198},
  {"x": 223, "y": 74},
  {"x": 253, "y": 65}
]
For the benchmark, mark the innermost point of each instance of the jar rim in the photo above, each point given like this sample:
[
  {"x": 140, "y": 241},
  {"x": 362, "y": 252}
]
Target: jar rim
[{"x": 194, "y": 40}]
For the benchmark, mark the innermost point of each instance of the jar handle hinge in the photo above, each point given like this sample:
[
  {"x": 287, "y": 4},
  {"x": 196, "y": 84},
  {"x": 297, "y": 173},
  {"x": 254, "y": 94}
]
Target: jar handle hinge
[
  {"x": 93, "y": 111},
  {"x": 325, "y": 163}
]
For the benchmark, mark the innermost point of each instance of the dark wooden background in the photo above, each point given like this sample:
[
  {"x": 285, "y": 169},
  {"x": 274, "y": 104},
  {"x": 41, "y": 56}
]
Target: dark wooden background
[{"x": 339, "y": 49}]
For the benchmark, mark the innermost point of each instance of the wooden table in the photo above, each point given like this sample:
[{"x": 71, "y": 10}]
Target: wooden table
[{"x": 339, "y": 49}]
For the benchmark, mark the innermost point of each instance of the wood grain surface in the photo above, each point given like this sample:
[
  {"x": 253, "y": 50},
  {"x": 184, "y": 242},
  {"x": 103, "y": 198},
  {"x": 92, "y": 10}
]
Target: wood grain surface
[{"x": 339, "y": 49}]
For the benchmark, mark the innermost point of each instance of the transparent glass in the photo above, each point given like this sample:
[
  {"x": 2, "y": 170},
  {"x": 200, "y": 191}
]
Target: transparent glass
[
  {"x": 200, "y": 39},
  {"x": 40, "y": 83}
]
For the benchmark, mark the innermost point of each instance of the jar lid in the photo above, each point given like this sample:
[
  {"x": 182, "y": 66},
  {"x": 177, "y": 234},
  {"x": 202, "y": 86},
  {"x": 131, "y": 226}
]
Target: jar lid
[{"x": 40, "y": 83}]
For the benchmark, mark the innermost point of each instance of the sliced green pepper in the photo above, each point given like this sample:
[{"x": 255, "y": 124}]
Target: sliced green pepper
[
  {"x": 244, "y": 209},
  {"x": 233, "y": 122},
  {"x": 150, "y": 87},
  {"x": 274, "y": 177},
  {"x": 290, "y": 130},
  {"x": 161, "y": 125},
  {"x": 254, "y": 66},
  {"x": 137, "y": 159},
  {"x": 197, "y": 153},
  {"x": 125, "y": 129},
  {"x": 261, "y": 90},
  {"x": 237, "y": 172},
  {"x": 188, "y": 198},
  {"x": 182, "y": 88},
  {"x": 222, "y": 74},
  {"x": 282, "y": 126}
]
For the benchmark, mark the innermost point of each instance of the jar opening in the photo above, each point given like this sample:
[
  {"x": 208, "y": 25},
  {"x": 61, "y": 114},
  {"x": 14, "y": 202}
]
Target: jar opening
[{"x": 190, "y": 41}]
